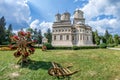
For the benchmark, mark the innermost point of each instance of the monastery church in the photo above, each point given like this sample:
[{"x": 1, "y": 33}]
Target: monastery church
[{"x": 71, "y": 33}]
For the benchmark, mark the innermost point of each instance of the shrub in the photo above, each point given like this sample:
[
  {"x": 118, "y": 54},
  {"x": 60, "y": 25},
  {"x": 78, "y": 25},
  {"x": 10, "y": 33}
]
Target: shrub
[
  {"x": 5, "y": 43},
  {"x": 111, "y": 45},
  {"x": 103, "y": 45},
  {"x": 48, "y": 45}
]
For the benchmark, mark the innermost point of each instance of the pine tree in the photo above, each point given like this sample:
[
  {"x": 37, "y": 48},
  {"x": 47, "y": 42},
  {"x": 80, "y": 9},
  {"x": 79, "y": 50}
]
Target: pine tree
[
  {"x": 39, "y": 37},
  {"x": 106, "y": 36},
  {"x": 9, "y": 33},
  {"x": 2, "y": 29}
]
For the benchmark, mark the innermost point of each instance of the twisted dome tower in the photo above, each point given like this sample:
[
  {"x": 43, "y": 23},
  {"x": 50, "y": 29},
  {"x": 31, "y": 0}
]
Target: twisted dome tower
[
  {"x": 78, "y": 17},
  {"x": 58, "y": 17},
  {"x": 65, "y": 16}
]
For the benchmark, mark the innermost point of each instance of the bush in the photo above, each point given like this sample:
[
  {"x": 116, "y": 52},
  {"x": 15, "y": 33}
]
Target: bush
[
  {"x": 48, "y": 45},
  {"x": 103, "y": 45},
  {"x": 111, "y": 45},
  {"x": 5, "y": 43}
]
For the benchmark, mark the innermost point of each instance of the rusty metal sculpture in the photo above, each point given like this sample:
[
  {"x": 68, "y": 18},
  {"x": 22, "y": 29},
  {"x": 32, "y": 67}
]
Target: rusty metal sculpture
[{"x": 24, "y": 46}]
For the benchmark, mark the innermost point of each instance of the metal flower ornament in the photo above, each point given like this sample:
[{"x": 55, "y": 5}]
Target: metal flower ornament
[{"x": 24, "y": 45}]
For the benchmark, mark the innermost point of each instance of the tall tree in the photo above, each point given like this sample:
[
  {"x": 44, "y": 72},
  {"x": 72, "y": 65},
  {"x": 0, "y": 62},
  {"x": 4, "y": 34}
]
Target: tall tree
[
  {"x": 48, "y": 35},
  {"x": 110, "y": 40},
  {"x": 2, "y": 29},
  {"x": 9, "y": 32},
  {"x": 39, "y": 37},
  {"x": 93, "y": 37},
  {"x": 116, "y": 39},
  {"x": 97, "y": 39},
  {"x": 106, "y": 36}
]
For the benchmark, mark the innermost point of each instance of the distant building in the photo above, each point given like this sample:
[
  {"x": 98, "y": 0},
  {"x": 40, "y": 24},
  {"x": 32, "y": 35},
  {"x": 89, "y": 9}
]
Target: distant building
[
  {"x": 44, "y": 40},
  {"x": 67, "y": 33}
]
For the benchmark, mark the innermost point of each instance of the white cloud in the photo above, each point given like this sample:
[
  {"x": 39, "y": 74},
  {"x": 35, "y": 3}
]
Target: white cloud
[
  {"x": 35, "y": 24},
  {"x": 43, "y": 25},
  {"x": 15, "y": 11},
  {"x": 95, "y": 8}
]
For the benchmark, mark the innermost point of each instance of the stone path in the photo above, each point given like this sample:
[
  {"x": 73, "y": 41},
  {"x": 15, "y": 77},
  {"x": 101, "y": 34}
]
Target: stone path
[{"x": 113, "y": 48}]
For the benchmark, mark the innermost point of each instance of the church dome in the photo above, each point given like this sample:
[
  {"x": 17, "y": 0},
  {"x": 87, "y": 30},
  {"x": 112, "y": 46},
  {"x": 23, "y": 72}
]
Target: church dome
[
  {"x": 65, "y": 16},
  {"x": 78, "y": 14},
  {"x": 58, "y": 17}
]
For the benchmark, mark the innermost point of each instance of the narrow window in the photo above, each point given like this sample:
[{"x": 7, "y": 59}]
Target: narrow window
[
  {"x": 67, "y": 37},
  {"x": 54, "y": 37},
  {"x": 60, "y": 37}
]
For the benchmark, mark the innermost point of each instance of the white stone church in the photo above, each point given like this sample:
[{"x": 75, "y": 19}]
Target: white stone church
[{"x": 71, "y": 33}]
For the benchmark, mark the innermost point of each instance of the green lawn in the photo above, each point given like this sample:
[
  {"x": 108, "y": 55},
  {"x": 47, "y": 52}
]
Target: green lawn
[{"x": 94, "y": 64}]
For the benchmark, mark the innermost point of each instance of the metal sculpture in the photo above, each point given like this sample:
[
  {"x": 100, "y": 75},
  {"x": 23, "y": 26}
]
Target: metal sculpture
[{"x": 23, "y": 42}]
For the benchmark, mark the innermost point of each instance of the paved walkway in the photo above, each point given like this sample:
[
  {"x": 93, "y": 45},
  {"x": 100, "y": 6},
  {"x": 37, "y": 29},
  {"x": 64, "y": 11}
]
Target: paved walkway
[{"x": 113, "y": 48}]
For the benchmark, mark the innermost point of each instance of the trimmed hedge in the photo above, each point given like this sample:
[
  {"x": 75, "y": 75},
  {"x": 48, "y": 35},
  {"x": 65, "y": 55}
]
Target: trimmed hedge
[
  {"x": 76, "y": 47},
  {"x": 62, "y": 48}
]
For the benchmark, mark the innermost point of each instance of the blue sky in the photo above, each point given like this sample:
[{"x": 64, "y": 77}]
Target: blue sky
[{"x": 99, "y": 14}]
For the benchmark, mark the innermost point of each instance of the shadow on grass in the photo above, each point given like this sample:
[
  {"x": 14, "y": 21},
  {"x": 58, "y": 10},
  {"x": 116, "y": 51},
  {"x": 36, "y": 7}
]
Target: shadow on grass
[{"x": 35, "y": 65}]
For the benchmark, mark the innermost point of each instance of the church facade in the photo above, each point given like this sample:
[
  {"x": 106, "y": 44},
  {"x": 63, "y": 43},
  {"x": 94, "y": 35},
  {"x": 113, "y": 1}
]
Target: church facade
[{"x": 71, "y": 33}]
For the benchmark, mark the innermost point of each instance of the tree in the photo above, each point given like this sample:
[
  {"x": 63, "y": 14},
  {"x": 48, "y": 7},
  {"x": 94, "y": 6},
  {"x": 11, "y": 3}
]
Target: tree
[
  {"x": 48, "y": 35},
  {"x": 106, "y": 36},
  {"x": 93, "y": 37},
  {"x": 39, "y": 37},
  {"x": 116, "y": 39},
  {"x": 110, "y": 40},
  {"x": 97, "y": 39},
  {"x": 30, "y": 30},
  {"x": 2, "y": 29},
  {"x": 9, "y": 33}
]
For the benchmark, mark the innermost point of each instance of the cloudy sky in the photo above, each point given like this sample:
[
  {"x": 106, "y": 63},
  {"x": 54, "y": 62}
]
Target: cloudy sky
[{"x": 99, "y": 14}]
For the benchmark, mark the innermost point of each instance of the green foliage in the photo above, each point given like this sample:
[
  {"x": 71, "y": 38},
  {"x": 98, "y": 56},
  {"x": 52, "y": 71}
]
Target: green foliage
[
  {"x": 75, "y": 48},
  {"x": 97, "y": 39},
  {"x": 62, "y": 48},
  {"x": 103, "y": 45},
  {"x": 111, "y": 45},
  {"x": 93, "y": 37},
  {"x": 106, "y": 36},
  {"x": 116, "y": 39},
  {"x": 9, "y": 33},
  {"x": 110, "y": 40},
  {"x": 48, "y": 45},
  {"x": 30, "y": 30},
  {"x": 48, "y": 35},
  {"x": 39, "y": 37},
  {"x": 2, "y": 29}
]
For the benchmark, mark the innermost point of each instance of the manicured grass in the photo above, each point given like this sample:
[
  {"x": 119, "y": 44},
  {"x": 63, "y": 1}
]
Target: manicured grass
[{"x": 94, "y": 64}]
